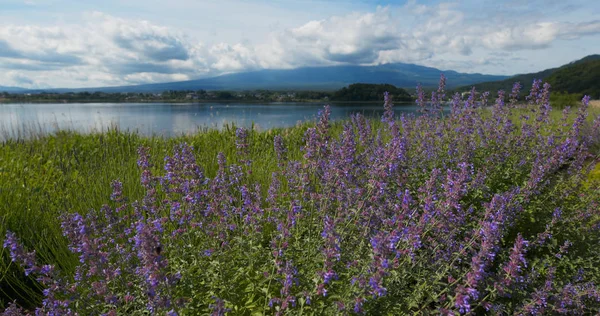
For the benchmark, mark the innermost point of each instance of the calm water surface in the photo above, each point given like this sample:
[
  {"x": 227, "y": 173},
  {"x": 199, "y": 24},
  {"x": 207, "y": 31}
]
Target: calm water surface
[{"x": 168, "y": 119}]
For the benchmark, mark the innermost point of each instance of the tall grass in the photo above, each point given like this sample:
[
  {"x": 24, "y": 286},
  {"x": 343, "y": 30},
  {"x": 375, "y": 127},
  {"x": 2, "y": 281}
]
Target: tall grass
[{"x": 44, "y": 176}]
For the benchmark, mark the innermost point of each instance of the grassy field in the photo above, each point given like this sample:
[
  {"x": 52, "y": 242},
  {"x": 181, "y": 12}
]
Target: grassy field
[{"x": 45, "y": 177}]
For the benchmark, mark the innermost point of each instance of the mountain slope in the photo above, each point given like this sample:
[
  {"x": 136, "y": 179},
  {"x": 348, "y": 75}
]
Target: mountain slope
[
  {"x": 12, "y": 89},
  {"x": 312, "y": 78},
  {"x": 581, "y": 78},
  {"x": 574, "y": 77}
]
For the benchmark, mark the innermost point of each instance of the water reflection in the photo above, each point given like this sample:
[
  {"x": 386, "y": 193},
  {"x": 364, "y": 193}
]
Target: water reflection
[{"x": 168, "y": 119}]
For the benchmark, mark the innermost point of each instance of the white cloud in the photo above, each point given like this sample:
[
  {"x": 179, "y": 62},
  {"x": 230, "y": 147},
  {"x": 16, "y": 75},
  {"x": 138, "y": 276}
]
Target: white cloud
[
  {"x": 230, "y": 58},
  {"x": 356, "y": 38},
  {"x": 143, "y": 39},
  {"x": 145, "y": 77},
  {"x": 108, "y": 50},
  {"x": 577, "y": 30},
  {"x": 534, "y": 36}
]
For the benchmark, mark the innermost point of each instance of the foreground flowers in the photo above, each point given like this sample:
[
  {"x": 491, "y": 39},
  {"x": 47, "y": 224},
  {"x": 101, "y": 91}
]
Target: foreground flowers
[{"x": 479, "y": 210}]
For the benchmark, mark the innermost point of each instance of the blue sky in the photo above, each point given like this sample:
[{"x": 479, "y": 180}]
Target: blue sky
[{"x": 74, "y": 43}]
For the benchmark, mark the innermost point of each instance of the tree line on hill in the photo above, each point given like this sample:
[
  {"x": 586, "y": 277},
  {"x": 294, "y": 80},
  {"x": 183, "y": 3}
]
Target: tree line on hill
[
  {"x": 370, "y": 92},
  {"x": 359, "y": 92},
  {"x": 580, "y": 78},
  {"x": 569, "y": 83}
]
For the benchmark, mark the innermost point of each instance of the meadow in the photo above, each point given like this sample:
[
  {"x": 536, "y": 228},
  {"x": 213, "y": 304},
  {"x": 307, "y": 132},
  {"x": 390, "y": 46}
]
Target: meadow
[{"x": 493, "y": 208}]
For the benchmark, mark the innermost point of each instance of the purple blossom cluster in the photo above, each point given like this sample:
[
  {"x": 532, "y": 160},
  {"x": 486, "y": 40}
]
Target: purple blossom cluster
[{"x": 483, "y": 210}]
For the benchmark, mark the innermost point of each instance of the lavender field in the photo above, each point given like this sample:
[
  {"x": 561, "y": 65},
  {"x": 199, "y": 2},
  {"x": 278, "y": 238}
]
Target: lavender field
[{"x": 489, "y": 209}]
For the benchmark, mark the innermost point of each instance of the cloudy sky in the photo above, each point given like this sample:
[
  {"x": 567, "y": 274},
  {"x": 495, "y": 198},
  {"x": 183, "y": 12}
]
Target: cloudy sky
[{"x": 75, "y": 43}]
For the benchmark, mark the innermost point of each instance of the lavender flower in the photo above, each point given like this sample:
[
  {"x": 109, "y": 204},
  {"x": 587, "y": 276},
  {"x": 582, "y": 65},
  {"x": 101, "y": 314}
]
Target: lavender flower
[
  {"x": 422, "y": 214},
  {"x": 280, "y": 149},
  {"x": 421, "y": 99},
  {"x": 514, "y": 94},
  {"x": 388, "y": 106},
  {"x": 513, "y": 268}
]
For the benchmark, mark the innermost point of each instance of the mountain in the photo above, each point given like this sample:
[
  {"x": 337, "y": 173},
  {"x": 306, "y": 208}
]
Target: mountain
[
  {"x": 12, "y": 89},
  {"x": 580, "y": 77},
  {"x": 311, "y": 78}
]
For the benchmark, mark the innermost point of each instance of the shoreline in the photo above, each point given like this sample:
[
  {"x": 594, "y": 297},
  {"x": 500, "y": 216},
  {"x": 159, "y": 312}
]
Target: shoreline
[{"x": 198, "y": 102}]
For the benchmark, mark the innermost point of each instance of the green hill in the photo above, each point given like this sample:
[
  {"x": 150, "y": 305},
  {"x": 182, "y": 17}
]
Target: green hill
[
  {"x": 579, "y": 77},
  {"x": 370, "y": 92}
]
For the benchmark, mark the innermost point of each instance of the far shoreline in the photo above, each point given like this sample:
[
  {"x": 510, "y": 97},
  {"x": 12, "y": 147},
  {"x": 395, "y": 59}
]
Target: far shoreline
[{"x": 195, "y": 102}]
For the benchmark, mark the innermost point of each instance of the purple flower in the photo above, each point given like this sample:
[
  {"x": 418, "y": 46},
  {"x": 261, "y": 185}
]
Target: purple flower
[
  {"x": 421, "y": 102},
  {"x": 514, "y": 94},
  {"x": 377, "y": 288},
  {"x": 218, "y": 308},
  {"x": 358, "y": 306},
  {"x": 461, "y": 301},
  {"x": 18, "y": 253},
  {"x": 242, "y": 145},
  {"x": 328, "y": 276},
  {"x": 14, "y": 310},
  {"x": 323, "y": 123},
  {"x": 117, "y": 194},
  {"x": 388, "y": 106},
  {"x": 513, "y": 268},
  {"x": 280, "y": 149},
  {"x": 535, "y": 94}
]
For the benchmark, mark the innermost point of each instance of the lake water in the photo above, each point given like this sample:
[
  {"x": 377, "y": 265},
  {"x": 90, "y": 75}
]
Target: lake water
[{"x": 168, "y": 119}]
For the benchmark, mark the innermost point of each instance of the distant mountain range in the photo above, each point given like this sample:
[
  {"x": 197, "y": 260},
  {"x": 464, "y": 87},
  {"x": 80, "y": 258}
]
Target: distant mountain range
[
  {"x": 11, "y": 89},
  {"x": 309, "y": 78},
  {"x": 578, "y": 77}
]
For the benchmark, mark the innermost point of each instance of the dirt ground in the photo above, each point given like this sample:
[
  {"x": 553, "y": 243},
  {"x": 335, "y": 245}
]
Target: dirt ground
[{"x": 595, "y": 103}]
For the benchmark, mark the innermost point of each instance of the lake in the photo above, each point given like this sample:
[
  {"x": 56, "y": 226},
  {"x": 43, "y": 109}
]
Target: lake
[{"x": 169, "y": 119}]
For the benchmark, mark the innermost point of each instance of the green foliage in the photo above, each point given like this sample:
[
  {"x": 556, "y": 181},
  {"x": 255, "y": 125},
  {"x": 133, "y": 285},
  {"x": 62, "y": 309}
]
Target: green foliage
[
  {"x": 225, "y": 95},
  {"x": 594, "y": 176},
  {"x": 580, "y": 78},
  {"x": 370, "y": 92},
  {"x": 561, "y": 100}
]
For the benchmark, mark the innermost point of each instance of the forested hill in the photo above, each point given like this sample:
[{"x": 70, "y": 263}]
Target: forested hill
[
  {"x": 370, "y": 92},
  {"x": 578, "y": 77}
]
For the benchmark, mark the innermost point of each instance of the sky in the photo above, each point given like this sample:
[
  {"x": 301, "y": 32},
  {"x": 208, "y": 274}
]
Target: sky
[{"x": 93, "y": 43}]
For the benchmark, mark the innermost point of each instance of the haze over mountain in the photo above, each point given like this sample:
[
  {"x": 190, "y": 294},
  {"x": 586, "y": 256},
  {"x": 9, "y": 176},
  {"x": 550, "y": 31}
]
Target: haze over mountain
[
  {"x": 310, "y": 78},
  {"x": 11, "y": 89}
]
